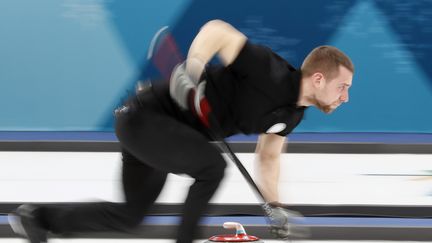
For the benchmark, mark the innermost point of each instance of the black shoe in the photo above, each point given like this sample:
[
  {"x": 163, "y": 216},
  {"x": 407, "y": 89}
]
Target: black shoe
[{"x": 23, "y": 222}]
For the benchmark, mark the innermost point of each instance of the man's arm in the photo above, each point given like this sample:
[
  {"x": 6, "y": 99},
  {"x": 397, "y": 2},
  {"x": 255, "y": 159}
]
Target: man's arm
[
  {"x": 216, "y": 37},
  {"x": 268, "y": 152}
]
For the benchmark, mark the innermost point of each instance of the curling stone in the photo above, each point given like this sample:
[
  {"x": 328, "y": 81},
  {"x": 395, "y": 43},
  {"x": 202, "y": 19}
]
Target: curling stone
[{"x": 239, "y": 237}]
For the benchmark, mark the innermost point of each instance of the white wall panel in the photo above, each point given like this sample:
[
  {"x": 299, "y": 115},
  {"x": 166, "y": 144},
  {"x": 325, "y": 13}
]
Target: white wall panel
[{"x": 305, "y": 179}]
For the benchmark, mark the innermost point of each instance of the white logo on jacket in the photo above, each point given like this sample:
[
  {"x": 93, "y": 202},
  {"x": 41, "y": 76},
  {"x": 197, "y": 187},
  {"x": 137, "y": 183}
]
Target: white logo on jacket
[{"x": 278, "y": 127}]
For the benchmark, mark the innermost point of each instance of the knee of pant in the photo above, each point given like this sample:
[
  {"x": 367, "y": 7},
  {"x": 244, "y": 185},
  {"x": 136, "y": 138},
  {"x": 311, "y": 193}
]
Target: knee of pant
[
  {"x": 134, "y": 218},
  {"x": 220, "y": 170},
  {"x": 213, "y": 172},
  {"x": 134, "y": 222}
]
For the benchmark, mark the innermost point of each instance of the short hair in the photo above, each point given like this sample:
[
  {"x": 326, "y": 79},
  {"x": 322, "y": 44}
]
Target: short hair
[{"x": 326, "y": 59}]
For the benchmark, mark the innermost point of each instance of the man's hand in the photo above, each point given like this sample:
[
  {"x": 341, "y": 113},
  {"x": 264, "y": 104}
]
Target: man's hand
[
  {"x": 181, "y": 86},
  {"x": 189, "y": 93},
  {"x": 284, "y": 223}
]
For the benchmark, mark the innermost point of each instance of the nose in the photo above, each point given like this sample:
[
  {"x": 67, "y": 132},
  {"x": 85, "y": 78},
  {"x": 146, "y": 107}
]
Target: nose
[{"x": 344, "y": 97}]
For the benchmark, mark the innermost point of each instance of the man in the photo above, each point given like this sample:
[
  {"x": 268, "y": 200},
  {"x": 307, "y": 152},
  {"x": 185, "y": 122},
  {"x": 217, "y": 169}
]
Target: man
[{"x": 165, "y": 129}]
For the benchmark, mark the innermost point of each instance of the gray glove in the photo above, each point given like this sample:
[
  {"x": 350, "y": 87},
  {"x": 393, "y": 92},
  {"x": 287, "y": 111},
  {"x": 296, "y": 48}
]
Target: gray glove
[
  {"x": 284, "y": 223},
  {"x": 180, "y": 86}
]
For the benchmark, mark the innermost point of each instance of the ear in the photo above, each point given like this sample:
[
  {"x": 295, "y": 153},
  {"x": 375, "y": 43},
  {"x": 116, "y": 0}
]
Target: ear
[{"x": 318, "y": 80}]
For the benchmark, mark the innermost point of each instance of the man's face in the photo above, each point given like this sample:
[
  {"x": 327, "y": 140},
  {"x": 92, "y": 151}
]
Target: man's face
[{"x": 332, "y": 93}]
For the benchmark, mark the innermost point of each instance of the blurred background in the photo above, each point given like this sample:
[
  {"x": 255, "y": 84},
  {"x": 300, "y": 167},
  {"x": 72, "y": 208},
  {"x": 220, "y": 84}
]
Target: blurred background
[{"x": 66, "y": 64}]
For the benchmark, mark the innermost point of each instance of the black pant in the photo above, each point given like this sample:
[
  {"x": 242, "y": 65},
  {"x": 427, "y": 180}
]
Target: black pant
[{"x": 156, "y": 139}]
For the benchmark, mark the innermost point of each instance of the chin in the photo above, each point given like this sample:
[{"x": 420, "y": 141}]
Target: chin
[{"x": 326, "y": 108}]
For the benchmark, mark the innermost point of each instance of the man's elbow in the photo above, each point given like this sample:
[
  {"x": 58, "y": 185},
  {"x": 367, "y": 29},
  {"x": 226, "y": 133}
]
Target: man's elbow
[{"x": 215, "y": 24}]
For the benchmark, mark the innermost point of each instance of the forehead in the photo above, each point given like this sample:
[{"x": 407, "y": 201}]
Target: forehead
[{"x": 345, "y": 76}]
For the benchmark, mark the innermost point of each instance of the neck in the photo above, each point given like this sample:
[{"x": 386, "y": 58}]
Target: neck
[{"x": 307, "y": 96}]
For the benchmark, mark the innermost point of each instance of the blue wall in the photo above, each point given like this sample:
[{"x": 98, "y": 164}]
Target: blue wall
[{"x": 66, "y": 64}]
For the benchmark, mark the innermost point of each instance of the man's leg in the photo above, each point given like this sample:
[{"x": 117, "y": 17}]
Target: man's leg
[
  {"x": 170, "y": 145},
  {"x": 200, "y": 192},
  {"x": 141, "y": 183},
  {"x": 164, "y": 144}
]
